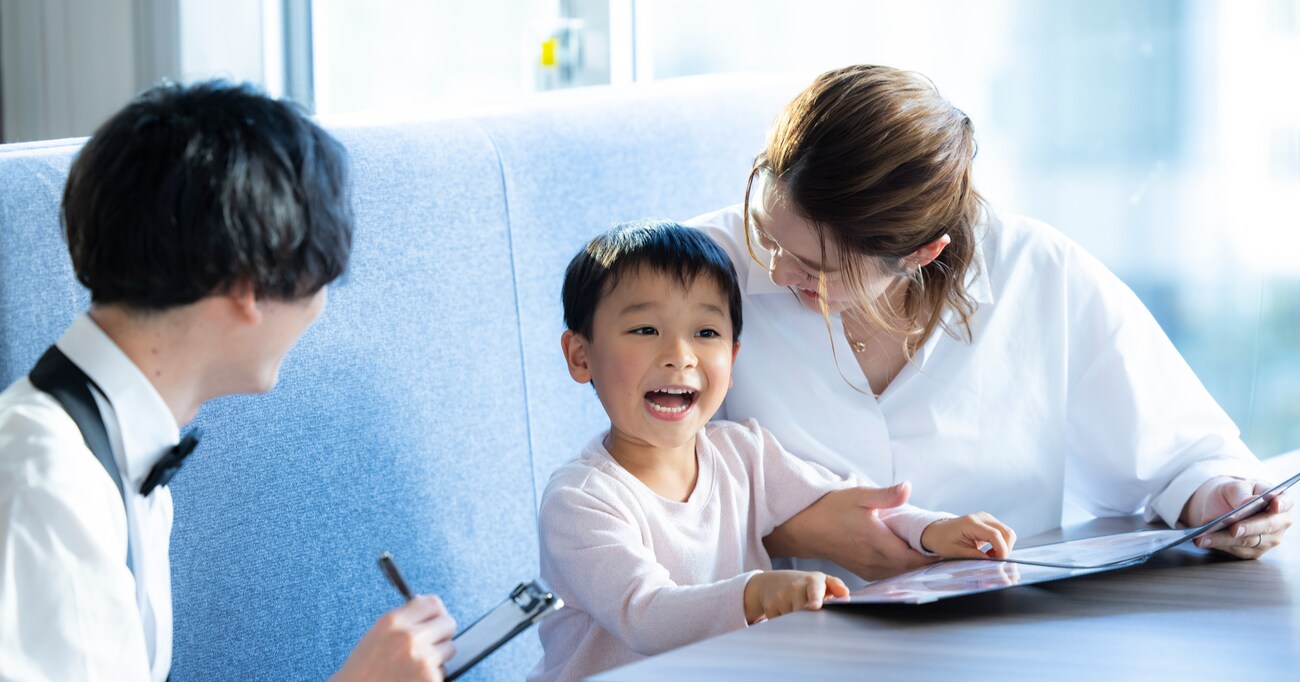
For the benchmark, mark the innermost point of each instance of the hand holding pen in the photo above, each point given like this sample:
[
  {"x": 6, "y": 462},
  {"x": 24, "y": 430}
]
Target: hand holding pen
[{"x": 410, "y": 642}]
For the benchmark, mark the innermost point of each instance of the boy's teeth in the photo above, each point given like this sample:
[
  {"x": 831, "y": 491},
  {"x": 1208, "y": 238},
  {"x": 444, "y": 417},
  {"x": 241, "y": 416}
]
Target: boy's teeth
[
  {"x": 669, "y": 410},
  {"x": 670, "y": 400}
]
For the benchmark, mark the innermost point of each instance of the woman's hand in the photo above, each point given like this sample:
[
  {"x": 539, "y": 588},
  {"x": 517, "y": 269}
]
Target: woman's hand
[
  {"x": 776, "y": 593},
  {"x": 962, "y": 537},
  {"x": 843, "y": 526},
  {"x": 1246, "y": 539},
  {"x": 410, "y": 642}
]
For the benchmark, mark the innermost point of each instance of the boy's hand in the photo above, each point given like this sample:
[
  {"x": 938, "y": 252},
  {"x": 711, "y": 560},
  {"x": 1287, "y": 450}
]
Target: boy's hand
[
  {"x": 776, "y": 593},
  {"x": 844, "y": 526},
  {"x": 962, "y": 537},
  {"x": 410, "y": 642}
]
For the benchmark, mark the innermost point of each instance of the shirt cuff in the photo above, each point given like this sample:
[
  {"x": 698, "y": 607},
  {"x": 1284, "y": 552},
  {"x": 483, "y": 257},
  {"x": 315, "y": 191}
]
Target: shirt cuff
[
  {"x": 1168, "y": 505},
  {"x": 743, "y": 579}
]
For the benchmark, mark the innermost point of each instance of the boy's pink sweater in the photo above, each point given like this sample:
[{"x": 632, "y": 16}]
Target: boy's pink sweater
[{"x": 640, "y": 574}]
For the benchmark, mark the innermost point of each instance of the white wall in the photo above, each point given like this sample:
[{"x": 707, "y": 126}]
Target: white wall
[{"x": 67, "y": 65}]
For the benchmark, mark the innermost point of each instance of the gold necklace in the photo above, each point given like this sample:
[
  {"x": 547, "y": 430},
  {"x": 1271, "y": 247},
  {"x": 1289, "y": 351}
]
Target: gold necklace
[{"x": 857, "y": 346}]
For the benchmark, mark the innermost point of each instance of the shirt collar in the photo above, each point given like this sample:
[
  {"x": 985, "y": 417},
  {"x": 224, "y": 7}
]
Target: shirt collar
[
  {"x": 147, "y": 427},
  {"x": 977, "y": 275}
]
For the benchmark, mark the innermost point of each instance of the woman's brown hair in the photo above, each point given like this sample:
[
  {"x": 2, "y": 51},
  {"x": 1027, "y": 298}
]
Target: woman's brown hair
[{"x": 880, "y": 163}]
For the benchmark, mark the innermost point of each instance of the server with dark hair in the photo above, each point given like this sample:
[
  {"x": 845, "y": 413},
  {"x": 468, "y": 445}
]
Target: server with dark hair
[{"x": 206, "y": 221}]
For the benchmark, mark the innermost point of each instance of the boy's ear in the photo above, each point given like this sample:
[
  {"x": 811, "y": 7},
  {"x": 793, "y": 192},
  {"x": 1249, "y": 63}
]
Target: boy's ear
[
  {"x": 575, "y": 353},
  {"x": 735, "y": 348}
]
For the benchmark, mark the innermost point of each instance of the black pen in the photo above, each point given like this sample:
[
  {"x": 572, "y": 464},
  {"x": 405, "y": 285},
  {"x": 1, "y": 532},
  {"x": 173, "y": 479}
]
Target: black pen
[{"x": 394, "y": 576}]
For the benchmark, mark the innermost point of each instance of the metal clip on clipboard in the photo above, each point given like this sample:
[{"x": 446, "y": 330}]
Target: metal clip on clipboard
[{"x": 528, "y": 603}]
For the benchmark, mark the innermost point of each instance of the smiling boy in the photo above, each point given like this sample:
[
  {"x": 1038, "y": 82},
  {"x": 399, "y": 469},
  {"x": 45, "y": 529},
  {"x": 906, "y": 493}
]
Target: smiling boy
[{"x": 653, "y": 536}]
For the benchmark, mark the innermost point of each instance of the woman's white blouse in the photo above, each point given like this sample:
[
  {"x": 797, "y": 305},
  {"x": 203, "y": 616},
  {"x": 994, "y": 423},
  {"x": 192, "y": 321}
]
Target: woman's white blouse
[{"x": 1069, "y": 390}]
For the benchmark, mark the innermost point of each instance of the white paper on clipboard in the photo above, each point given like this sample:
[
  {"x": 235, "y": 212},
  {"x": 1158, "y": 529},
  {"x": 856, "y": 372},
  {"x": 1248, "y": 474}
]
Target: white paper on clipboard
[{"x": 527, "y": 604}]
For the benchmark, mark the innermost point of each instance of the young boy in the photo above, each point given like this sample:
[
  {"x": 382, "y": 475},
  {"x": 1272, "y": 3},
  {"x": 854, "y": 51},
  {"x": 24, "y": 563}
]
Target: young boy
[
  {"x": 653, "y": 536},
  {"x": 206, "y": 222}
]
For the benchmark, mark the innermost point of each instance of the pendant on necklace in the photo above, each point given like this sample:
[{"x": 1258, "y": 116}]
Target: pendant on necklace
[{"x": 857, "y": 346}]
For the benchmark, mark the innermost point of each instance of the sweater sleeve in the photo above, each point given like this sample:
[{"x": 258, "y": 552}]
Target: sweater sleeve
[
  {"x": 599, "y": 563},
  {"x": 791, "y": 484},
  {"x": 909, "y": 522}
]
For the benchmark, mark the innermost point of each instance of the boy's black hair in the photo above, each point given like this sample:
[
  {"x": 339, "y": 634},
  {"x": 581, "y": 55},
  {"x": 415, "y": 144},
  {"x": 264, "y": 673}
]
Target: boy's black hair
[
  {"x": 191, "y": 189},
  {"x": 657, "y": 245}
]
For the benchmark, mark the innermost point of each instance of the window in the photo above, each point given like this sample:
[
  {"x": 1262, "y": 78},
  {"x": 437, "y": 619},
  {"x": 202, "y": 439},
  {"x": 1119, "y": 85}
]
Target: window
[{"x": 1163, "y": 135}]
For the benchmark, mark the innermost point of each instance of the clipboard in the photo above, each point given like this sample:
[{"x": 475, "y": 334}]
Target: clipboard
[
  {"x": 957, "y": 577},
  {"x": 527, "y": 604}
]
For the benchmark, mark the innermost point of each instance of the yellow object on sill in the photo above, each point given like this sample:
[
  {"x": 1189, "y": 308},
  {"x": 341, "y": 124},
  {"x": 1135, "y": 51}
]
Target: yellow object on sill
[{"x": 550, "y": 47}]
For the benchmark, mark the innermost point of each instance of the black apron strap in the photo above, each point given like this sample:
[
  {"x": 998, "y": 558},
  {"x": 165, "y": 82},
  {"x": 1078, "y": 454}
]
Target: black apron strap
[{"x": 58, "y": 376}]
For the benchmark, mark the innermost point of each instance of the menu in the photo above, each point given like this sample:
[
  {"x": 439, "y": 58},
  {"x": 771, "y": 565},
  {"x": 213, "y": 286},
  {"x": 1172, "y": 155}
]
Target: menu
[{"x": 956, "y": 577}]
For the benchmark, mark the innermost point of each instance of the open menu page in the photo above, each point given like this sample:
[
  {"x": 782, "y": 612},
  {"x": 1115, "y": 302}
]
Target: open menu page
[{"x": 955, "y": 577}]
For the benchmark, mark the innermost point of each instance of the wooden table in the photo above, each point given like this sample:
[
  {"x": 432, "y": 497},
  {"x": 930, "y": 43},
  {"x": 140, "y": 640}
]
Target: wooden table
[{"x": 1186, "y": 614}]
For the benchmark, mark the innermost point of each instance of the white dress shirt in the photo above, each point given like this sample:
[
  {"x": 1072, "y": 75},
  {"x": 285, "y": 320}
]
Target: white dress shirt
[
  {"x": 70, "y": 609},
  {"x": 1069, "y": 390}
]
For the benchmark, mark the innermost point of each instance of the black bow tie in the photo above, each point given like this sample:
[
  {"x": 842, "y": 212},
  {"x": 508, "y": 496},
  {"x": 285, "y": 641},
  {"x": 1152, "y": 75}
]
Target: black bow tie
[{"x": 171, "y": 462}]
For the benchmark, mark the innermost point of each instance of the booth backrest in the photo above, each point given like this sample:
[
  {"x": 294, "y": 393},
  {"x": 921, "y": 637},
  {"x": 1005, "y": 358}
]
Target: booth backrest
[{"x": 424, "y": 411}]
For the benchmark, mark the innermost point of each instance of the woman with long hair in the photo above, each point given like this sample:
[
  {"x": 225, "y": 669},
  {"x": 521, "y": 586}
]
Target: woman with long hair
[{"x": 898, "y": 328}]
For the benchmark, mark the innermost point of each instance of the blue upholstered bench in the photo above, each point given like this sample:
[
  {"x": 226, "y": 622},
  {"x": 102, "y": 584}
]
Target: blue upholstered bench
[{"x": 424, "y": 411}]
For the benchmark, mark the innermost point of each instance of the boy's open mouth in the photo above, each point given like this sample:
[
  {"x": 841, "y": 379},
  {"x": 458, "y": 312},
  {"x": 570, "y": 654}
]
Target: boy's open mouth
[{"x": 671, "y": 400}]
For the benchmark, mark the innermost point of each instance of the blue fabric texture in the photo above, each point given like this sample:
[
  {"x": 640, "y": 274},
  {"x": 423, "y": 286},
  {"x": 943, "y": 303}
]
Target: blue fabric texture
[
  {"x": 576, "y": 168},
  {"x": 39, "y": 295},
  {"x": 425, "y": 410}
]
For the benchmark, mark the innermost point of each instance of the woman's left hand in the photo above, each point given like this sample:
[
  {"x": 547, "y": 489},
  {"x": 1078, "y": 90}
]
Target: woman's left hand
[{"x": 1246, "y": 539}]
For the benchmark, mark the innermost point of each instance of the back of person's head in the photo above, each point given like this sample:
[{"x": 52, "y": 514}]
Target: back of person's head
[
  {"x": 646, "y": 246},
  {"x": 880, "y": 163},
  {"x": 189, "y": 190}
]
